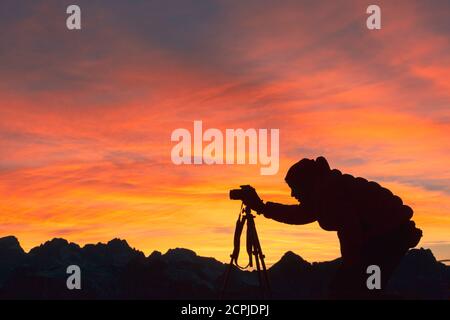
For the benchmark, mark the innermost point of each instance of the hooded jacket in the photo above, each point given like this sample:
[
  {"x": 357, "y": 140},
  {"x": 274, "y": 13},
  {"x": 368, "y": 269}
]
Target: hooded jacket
[{"x": 357, "y": 209}]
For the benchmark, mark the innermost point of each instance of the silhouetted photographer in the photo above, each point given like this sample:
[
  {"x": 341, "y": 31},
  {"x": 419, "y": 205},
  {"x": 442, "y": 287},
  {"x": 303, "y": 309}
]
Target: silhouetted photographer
[{"x": 373, "y": 225}]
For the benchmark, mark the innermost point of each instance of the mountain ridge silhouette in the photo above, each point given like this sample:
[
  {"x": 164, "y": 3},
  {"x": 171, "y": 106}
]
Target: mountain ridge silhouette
[{"x": 114, "y": 270}]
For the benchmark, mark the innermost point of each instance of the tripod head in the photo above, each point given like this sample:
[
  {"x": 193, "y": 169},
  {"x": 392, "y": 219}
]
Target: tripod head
[{"x": 245, "y": 210}]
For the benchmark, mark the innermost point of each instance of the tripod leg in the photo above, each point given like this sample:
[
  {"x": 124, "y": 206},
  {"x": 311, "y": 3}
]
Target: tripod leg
[
  {"x": 258, "y": 268},
  {"x": 260, "y": 256},
  {"x": 227, "y": 276},
  {"x": 252, "y": 241},
  {"x": 266, "y": 275}
]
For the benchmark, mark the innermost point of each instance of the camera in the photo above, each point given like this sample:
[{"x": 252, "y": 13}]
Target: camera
[
  {"x": 236, "y": 194},
  {"x": 239, "y": 194}
]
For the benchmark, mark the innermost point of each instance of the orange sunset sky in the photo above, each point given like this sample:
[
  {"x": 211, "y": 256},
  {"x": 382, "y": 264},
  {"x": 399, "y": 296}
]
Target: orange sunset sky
[{"x": 86, "y": 116}]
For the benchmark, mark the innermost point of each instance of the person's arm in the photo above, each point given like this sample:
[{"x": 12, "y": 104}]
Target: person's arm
[{"x": 291, "y": 214}]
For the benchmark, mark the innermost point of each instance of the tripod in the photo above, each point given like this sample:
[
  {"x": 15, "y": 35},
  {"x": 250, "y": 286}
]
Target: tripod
[{"x": 253, "y": 249}]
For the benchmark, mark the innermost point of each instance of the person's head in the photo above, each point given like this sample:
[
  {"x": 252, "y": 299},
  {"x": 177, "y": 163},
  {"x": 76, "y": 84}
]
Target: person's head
[{"x": 303, "y": 176}]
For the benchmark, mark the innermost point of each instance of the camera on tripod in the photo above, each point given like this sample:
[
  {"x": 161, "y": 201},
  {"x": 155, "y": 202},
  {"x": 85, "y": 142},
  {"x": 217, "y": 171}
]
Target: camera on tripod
[{"x": 253, "y": 246}]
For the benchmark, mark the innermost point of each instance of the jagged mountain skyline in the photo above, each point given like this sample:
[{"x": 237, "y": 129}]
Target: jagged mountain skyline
[
  {"x": 114, "y": 270},
  {"x": 86, "y": 117}
]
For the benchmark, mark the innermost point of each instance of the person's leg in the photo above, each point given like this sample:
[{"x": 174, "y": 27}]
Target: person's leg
[
  {"x": 386, "y": 252},
  {"x": 348, "y": 283}
]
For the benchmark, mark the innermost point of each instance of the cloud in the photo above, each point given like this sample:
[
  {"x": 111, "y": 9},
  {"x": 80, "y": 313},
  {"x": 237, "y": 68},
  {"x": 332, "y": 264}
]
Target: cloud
[{"x": 437, "y": 184}]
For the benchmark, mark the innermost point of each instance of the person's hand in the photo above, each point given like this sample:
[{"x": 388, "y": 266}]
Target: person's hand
[{"x": 251, "y": 199}]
